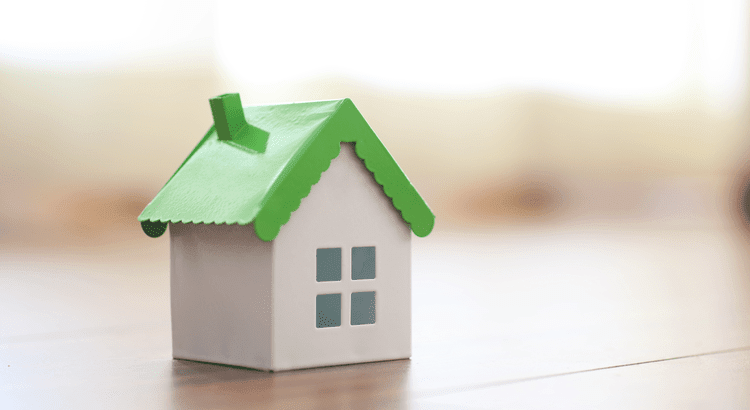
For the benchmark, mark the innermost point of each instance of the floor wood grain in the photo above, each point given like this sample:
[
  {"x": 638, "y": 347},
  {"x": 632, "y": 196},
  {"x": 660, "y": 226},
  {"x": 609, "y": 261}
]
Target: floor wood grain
[{"x": 568, "y": 316}]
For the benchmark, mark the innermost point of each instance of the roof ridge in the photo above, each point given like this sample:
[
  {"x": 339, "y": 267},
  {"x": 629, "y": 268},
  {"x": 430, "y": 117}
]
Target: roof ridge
[
  {"x": 300, "y": 151},
  {"x": 268, "y": 229},
  {"x": 218, "y": 183}
]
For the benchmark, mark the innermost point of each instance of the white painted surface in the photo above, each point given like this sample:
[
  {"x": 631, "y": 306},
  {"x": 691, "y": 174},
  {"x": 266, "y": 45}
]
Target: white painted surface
[
  {"x": 347, "y": 208},
  {"x": 221, "y": 294},
  {"x": 224, "y": 278}
]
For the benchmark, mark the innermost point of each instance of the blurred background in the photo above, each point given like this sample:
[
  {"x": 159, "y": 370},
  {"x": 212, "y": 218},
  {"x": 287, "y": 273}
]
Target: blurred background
[
  {"x": 586, "y": 162},
  {"x": 501, "y": 113}
]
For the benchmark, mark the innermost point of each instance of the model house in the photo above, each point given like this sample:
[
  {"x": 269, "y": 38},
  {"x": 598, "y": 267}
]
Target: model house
[{"x": 290, "y": 235}]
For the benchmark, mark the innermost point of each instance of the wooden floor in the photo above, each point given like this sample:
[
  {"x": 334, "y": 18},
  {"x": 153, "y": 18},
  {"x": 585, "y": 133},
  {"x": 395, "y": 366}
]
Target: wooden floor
[{"x": 571, "y": 316}]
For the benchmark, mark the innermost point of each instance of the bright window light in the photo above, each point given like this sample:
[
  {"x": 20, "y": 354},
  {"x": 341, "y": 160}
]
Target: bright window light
[
  {"x": 86, "y": 32},
  {"x": 623, "y": 50}
]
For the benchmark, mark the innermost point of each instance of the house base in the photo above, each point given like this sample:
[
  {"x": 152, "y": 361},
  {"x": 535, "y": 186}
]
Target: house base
[{"x": 286, "y": 370}]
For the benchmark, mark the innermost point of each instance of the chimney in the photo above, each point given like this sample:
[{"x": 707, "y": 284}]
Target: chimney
[
  {"x": 229, "y": 117},
  {"x": 231, "y": 125}
]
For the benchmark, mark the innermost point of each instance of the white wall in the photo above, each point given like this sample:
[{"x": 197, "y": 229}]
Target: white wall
[
  {"x": 221, "y": 294},
  {"x": 346, "y": 208}
]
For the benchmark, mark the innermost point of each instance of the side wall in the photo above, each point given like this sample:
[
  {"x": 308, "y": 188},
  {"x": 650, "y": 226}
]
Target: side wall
[
  {"x": 221, "y": 295},
  {"x": 347, "y": 208}
]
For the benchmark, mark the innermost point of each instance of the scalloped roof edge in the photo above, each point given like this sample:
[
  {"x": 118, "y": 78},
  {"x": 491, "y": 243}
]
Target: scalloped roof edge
[{"x": 304, "y": 170}]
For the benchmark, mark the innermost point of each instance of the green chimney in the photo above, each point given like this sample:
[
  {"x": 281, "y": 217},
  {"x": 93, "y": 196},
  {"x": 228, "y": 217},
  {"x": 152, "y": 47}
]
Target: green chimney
[{"x": 231, "y": 125}]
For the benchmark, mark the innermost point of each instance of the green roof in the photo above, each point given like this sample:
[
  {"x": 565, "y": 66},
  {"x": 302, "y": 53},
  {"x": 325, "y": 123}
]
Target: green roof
[{"x": 259, "y": 173}]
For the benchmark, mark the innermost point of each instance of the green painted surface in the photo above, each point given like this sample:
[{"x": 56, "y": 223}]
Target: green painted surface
[
  {"x": 231, "y": 125},
  {"x": 236, "y": 181}
]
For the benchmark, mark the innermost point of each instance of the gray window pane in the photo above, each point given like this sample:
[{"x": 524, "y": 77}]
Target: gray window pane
[
  {"x": 328, "y": 265},
  {"x": 363, "y": 308},
  {"x": 363, "y": 262},
  {"x": 329, "y": 310}
]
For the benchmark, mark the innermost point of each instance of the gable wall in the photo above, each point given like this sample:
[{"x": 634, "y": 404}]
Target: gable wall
[
  {"x": 220, "y": 294},
  {"x": 346, "y": 208}
]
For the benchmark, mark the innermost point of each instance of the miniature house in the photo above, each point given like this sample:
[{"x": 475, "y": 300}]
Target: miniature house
[{"x": 290, "y": 236}]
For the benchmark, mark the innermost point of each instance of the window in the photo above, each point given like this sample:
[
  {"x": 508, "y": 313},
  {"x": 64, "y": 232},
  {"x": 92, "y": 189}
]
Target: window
[
  {"x": 328, "y": 269},
  {"x": 328, "y": 265},
  {"x": 363, "y": 262},
  {"x": 363, "y": 308},
  {"x": 329, "y": 310}
]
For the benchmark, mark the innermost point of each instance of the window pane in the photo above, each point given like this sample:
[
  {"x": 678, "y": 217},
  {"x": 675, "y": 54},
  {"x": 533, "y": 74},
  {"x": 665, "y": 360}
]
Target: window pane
[
  {"x": 328, "y": 265},
  {"x": 363, "y": 308},
  {"x": 329, "y": 310},
  {"x": 363, "y": 263}
]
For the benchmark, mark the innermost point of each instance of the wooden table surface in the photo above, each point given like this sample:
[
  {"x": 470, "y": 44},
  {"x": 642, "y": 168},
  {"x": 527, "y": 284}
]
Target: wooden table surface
[{"x": 570, "y": 316}]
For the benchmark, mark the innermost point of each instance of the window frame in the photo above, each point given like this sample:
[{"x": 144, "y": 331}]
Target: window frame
[{"x": 368, "y": 262}]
